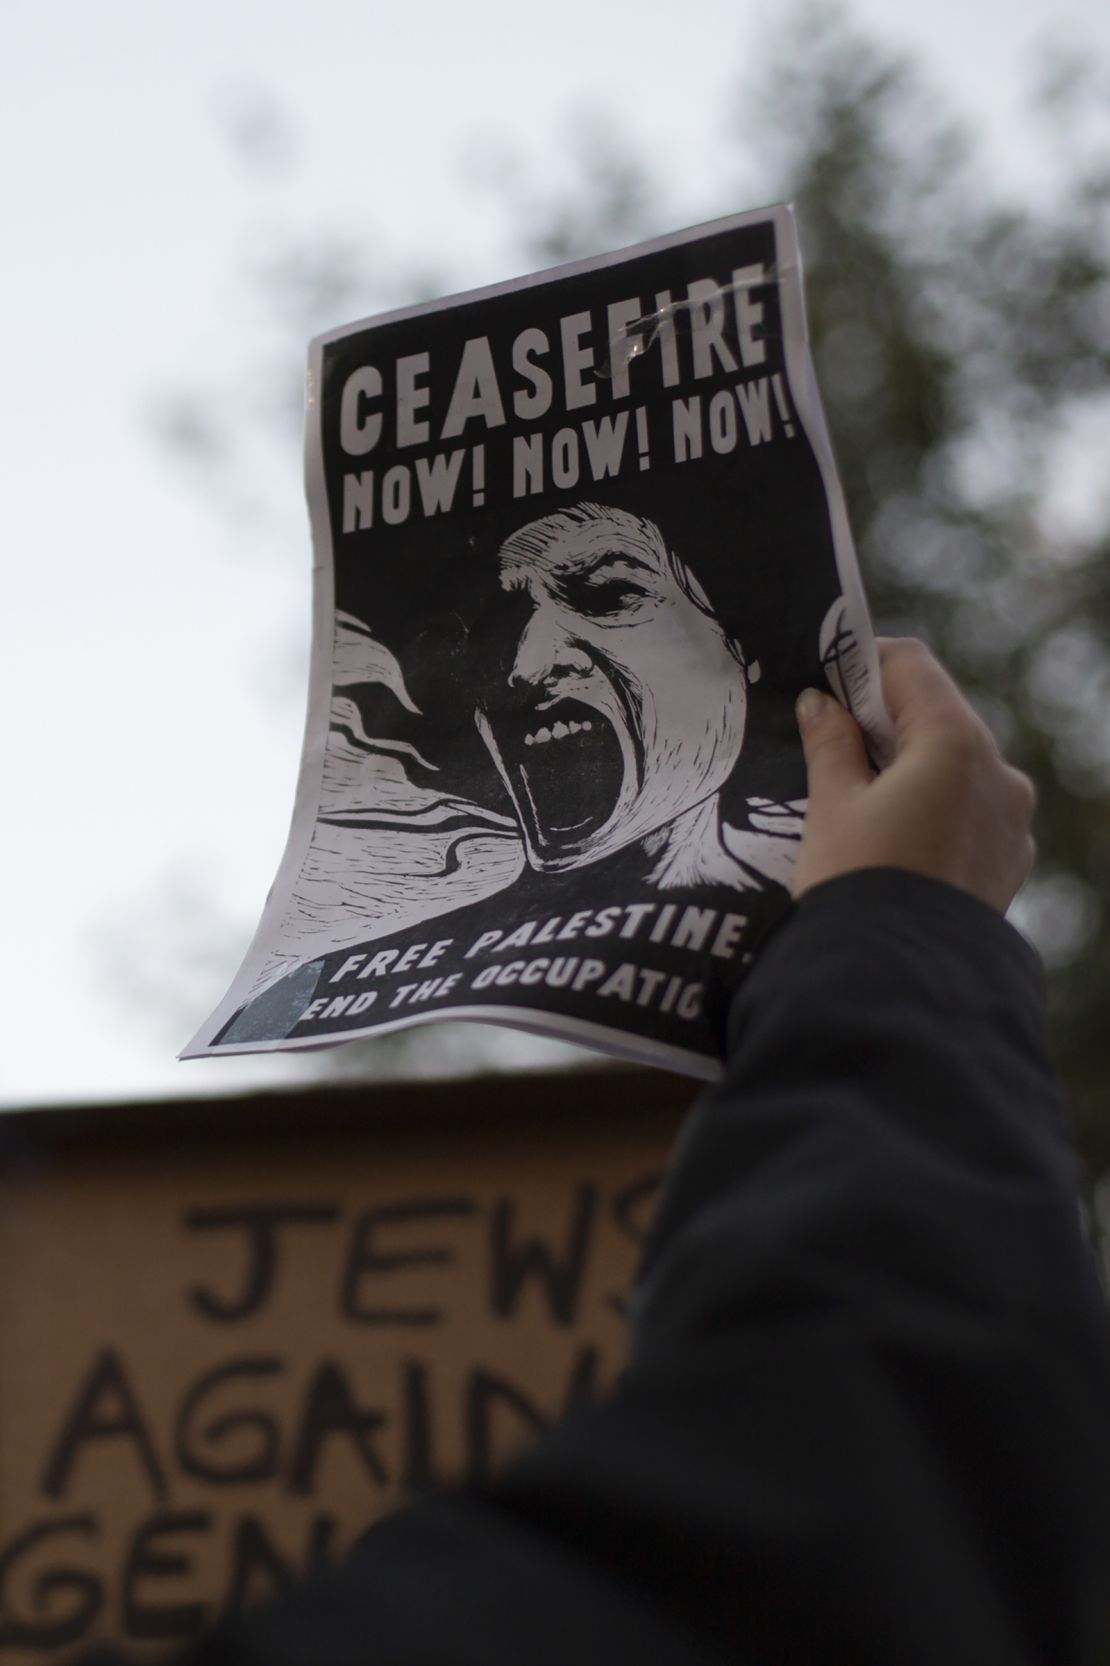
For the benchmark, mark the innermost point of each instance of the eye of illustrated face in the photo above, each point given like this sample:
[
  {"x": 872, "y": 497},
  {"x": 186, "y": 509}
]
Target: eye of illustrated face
[{"x": 611, "y": 586}]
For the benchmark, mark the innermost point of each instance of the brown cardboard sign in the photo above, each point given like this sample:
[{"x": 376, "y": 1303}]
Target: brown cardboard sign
[{"x": 236, "y": 1335}]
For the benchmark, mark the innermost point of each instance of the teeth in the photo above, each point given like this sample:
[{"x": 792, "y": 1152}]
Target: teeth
[{"x": 558, "y": 732}]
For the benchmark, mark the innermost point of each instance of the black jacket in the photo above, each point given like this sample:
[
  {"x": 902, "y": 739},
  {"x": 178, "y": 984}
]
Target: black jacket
[{"x": 867, "y": 1415}]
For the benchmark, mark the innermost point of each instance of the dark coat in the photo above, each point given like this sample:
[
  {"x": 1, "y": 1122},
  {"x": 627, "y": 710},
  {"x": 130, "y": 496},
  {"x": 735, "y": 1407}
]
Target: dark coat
[{"x": 867, "y": 1415}]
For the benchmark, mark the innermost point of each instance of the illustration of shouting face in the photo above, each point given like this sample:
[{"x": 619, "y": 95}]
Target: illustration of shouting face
[{"x": 627, "y": 700}]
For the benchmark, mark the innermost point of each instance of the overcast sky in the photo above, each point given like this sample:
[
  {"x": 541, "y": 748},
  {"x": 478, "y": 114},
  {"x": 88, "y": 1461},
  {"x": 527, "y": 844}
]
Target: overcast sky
[{"x": 150, "y": 644}]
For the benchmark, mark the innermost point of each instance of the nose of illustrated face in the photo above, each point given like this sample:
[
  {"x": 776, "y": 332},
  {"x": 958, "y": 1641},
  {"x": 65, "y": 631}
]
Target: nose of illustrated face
[{"x": 546, "y": 650}]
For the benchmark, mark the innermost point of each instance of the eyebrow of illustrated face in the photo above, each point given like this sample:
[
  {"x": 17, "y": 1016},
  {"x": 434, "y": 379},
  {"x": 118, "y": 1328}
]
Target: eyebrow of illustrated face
[{"x": 518, "y": 576}]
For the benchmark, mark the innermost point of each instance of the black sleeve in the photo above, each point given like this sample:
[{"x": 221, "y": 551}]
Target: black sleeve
[{"x": 867, "y": 1416}]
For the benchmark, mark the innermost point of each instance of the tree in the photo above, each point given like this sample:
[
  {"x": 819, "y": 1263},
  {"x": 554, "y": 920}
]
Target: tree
[{"x": 962, "y": 349}]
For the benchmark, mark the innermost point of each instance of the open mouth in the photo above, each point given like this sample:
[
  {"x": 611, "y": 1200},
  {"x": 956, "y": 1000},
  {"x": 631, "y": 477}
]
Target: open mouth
[{"x": 563, "y": 765}]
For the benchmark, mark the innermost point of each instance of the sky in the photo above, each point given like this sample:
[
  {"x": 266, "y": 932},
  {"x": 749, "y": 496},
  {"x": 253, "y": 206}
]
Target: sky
[{"x": 153, "y": 647}]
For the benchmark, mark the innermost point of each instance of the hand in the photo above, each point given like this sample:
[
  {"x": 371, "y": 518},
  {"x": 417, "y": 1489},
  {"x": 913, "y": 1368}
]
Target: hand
[{"x": 947, "y": 806}]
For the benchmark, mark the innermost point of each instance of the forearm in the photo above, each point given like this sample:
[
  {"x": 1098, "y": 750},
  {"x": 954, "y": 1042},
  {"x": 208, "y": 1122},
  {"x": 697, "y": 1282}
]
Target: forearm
[
  {"x": 890, "y": 1127},
  {"x": 868, "y": 1311}
]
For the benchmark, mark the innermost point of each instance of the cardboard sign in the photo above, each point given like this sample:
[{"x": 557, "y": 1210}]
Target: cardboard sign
[
  {"x": 234, "y": 1337},
  {"x": 579, "y": 545}
]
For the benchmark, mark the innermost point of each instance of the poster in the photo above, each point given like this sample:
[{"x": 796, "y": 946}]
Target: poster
[{"x": 579, "y": 544}]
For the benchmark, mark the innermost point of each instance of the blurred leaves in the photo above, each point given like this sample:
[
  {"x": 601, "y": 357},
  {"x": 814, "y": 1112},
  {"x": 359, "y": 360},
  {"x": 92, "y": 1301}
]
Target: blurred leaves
[
  {"x": 257, "y": 128},
  {"x": 962, "y": 346},
  {"x": 607, "y": 201}
]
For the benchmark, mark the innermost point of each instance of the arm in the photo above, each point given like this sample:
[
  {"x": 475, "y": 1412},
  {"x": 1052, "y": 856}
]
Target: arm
[{"x": 867, "y": 1417}]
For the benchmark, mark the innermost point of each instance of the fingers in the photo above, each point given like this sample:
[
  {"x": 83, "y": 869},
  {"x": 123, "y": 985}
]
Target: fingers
[
  {"x": 923, "y": 700},
  {"x": 948, "y": 806},
  {"x": 917, "y": 689},
  {"x": 836, "y": 759},
  {"x": 1023, "y": 806}
]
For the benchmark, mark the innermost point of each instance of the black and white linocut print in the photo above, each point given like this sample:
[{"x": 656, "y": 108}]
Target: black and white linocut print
[{"x": 579, "y": 545}]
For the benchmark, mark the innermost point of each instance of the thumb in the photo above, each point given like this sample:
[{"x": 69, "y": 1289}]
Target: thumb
[{"x": 836, "y": 759}]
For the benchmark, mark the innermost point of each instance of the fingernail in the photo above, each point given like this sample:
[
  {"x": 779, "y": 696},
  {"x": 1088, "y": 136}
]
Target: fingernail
[{"x": 808, "y": 705}]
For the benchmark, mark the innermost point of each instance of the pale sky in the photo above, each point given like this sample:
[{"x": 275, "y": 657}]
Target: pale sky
[{"x": 152, "y": 704}]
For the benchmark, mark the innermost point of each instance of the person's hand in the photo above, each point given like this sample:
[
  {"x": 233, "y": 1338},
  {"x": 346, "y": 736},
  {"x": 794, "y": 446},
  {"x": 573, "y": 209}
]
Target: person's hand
[{"x": 947, "y": 806}]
